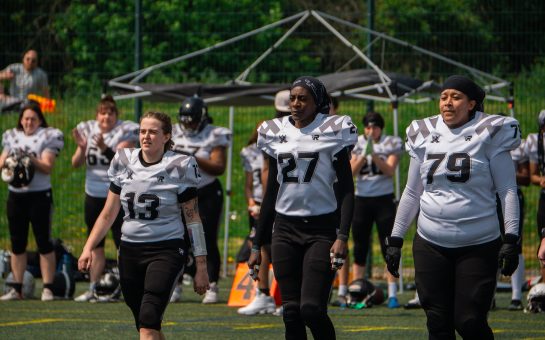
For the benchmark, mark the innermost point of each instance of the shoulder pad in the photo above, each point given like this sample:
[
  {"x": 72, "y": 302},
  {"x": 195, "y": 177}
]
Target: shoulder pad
[{"x": 503, "y": 133}]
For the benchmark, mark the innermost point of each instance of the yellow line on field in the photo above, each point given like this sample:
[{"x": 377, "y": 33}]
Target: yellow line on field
[
  {"x": 258, "y": 326},
  {"x": 40, "y": 321},
  {"x": 381, "y": 328}
]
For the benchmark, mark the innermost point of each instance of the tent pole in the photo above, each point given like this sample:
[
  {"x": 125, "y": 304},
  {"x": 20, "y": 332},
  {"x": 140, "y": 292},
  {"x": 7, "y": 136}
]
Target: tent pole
[
  {"x": 227, "y": 213},
  {"x": 511, "y": 100},
  {"x": 395, "y": 105}
]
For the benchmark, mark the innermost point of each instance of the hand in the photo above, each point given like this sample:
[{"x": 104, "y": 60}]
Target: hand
[
  {"x": 8, "y": 75},
  {"x": 393, "y": 254},
  {"x": 254, "y": 210},
  {"x": 337, "y": 254},
  {"x": 508, "y": 258},
  {"x": 541, "y": 253},
  {"x": 253, "y": 263},
  {"x": 201, "y": 282},
  {"x": 542, "y": 182},
  {"x": 99, "y": 140},
  {"x": 85, "y": 260},
  {"x": 80, "y": 140}
]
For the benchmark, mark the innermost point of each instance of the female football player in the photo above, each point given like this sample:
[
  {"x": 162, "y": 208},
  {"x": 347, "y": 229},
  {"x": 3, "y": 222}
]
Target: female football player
[
  {"x": 97, "y": 141},
  {"x": 535, "y": 151},
  {"x": 30, "y": 199},
  {"x": 374, "y": 161},
  {"x": 459, "y": 160},
  {"x": 154, "y": 186},
  {"x": 207, "y": 143},
  {"x": 306, "y": 151}
]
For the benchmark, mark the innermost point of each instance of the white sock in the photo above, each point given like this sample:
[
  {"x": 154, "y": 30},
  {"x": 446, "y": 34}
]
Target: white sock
[
  {"x": 517, "y": 279},
  {"x": 392, "y": 289},
  {"x": 343, "y": 290}
]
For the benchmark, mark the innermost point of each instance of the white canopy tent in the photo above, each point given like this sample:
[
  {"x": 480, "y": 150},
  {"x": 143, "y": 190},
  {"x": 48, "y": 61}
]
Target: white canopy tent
[{"x": 383, "y": 88}]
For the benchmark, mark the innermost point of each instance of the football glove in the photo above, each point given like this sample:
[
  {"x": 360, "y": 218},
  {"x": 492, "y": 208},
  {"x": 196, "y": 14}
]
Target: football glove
[
  {"x": 393, "y": 254},
  {"x": 508, "y": 258}
]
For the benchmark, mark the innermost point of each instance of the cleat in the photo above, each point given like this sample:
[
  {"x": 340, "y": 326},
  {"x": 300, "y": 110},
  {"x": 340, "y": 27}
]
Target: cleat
[
  {"x": 515, "y": 305},
  {"x": 88, "y": 296},
  {"x": 393, "y": 303},
  {"x": 413, "y": 304},
  {"x": 341, "y": 301},
  {"x": 47, "y": 295},
  {"x": 176, "y": 294},
  {"x": 261, "y": 304},
  {"x": 11, "y": 295},
  {"x": 279, "y": 311},
  {"x": 211, "y": 295}
]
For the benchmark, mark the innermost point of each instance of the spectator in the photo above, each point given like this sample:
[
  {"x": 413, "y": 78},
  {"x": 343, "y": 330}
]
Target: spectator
[{"x": 25, "y": 78}]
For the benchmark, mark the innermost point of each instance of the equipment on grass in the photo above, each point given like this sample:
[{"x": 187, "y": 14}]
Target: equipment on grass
[
  {"x": 363, "y": 293},
  {"x": 28, "y": 284},
  {"x": 64, "y": 284},
  {"x": 108, "y": 289},
  {"x": 536, "y": 299}
]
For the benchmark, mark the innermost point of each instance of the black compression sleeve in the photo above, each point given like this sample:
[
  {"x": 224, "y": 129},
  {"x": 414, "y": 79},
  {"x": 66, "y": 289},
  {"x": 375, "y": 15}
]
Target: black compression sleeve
[
  {"x": 267, "y": 212},
  {"x": 109, "y": 153},
  {"x": 345, "y": 193}
]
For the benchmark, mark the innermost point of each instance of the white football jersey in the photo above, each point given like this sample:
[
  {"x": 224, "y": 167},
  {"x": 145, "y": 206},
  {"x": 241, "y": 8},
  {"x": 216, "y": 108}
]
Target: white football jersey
[
  {"x": 252, "y": 161},
  {"x": 201, "y": 144},
  {"x": 43, "y": 139},
  {"x": 519, "y": 154},
  {"x": 149, "y": 194},
  {"x": 458, "y": 205},
  {"x": 96, "y": 173},
  {"x": 305, "y": 161},
  {"x": 530, "y": 147},
  {"x": 370, "y": 181}
]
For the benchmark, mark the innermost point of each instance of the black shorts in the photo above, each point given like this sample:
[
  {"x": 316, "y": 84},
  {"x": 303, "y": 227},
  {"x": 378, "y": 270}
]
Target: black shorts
[
  {"x": 148, "y": 273},
  {"x": 30, "y": 207},
  {"x": 93, "y": 208}
]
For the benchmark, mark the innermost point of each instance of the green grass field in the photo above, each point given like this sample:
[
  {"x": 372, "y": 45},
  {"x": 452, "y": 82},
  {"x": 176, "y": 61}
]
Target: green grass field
[{"x": 33, "y": 319}]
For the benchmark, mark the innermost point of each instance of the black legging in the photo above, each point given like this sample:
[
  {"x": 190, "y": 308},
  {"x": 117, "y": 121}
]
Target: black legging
[
  {"x": 456, "y": 287},
  {"x": 210, "y": 206},
  {"x": 300, "y": 257}
]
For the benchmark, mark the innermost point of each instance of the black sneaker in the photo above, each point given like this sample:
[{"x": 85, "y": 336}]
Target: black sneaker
[{"x": 515, "y": 305}]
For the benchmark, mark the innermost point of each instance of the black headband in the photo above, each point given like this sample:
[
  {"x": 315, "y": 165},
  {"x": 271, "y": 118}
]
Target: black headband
[
  {"x": 317, "y": 91},
  {"x": 467, "y": 86}
]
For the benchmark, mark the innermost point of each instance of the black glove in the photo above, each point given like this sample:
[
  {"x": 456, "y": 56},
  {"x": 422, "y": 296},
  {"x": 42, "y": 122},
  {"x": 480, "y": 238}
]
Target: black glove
[
  {"x": 508, "y": 258},
  {"x": 393, "y": 254}
]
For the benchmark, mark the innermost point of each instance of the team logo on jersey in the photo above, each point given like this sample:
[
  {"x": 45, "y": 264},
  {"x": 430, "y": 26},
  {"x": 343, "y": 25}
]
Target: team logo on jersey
[
  {"x": 129, "y": 174},
  {"x": 181, "y": 251},
  {"x": 283, "y": 138},
  {"x": 435, "y": 138},
  {"x": 160, "y": 179},
  {"x": 315, "y": 137},
  {"x": 468, "y": 138}
]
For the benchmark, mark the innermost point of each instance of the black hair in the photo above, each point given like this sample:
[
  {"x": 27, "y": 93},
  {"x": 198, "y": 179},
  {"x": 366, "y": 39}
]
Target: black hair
[
  {"x": 34, "y": 106},
  {"x": 373, "y": 118}
]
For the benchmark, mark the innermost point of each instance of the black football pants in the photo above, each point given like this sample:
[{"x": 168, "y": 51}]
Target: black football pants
[
  {"x": 456, "y": 287},
  {"x": 300, "y": 257}
]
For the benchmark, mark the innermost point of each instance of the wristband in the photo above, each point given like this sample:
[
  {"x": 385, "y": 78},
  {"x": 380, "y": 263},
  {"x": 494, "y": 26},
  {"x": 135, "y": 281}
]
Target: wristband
[{"x": 392, "y": 241}]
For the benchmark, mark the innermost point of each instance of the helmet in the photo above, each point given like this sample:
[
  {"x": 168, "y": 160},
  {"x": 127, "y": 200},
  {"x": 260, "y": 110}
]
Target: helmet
[
  {"x": 28, "y": 284},
  {"x": 361, "y": 290},
  {"x": 193, "y": 110},
  {"x": 18, "y": 170},
  {"x": 107, "y": 284},
  {"x": 536, "y": 299},
  {"x": 541, "y": 119}
]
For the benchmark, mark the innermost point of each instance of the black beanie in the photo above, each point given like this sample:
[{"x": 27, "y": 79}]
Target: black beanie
[
  {"x": 373, "y": 119},
  {"x": 317, "y": 91},
  {"x": 467, "y": 86}
]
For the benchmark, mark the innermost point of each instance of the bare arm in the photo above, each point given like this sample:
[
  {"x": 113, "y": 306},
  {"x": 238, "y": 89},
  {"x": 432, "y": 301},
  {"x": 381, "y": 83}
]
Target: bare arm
[
  {"x": 45, "y": 163},
  {"x": 216, "y": 164},
  {"x": 101, "y": 227},
  {"x": 535, "y": 176},
  {"x": 6, "y": 74},
  {"x": 3, "y": 157},
  {"x": 78, "y": 158},
  {"x": 190, "y": 210}
]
